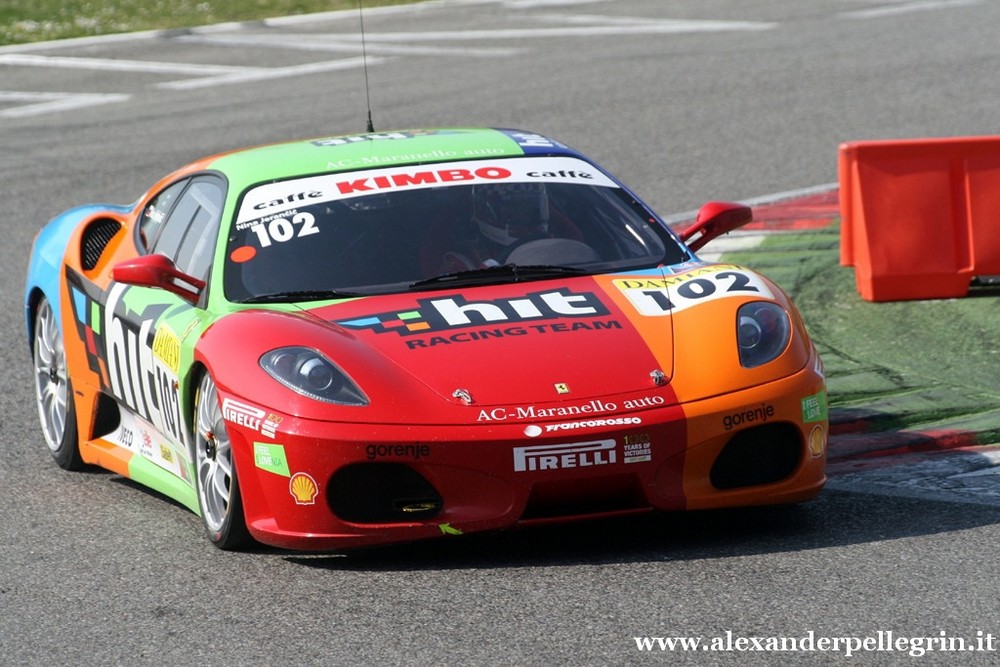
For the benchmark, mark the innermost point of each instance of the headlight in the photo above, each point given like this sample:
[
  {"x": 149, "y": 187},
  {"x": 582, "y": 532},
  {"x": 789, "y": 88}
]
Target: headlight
[
  {"x": 762, "y": 330},
  {"x": 311, "y": 374}
]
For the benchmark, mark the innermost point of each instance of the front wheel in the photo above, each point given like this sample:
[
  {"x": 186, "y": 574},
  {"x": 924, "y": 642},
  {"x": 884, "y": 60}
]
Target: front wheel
[
  {"x": 53, "y": 391},
  {"x": 218, "y": 487}
]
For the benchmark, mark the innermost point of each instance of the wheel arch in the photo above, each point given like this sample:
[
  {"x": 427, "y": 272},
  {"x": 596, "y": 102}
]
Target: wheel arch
[
  {"x": 189, "y": 398},
  {"x": 31, "y": 301}
]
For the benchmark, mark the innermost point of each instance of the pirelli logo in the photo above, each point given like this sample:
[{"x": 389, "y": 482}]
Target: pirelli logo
[
  {"x": 558, "y": 457},
  {"x": 250, "y": 416}
]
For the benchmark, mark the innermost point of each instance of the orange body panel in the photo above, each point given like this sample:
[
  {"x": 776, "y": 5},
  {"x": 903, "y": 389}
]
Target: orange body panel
[{"x": 87, "y": 381}]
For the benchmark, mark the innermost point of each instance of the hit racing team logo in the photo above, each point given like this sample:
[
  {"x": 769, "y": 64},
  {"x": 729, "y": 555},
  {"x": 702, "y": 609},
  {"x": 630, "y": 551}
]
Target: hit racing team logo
[{"x": 455, "y": 312}]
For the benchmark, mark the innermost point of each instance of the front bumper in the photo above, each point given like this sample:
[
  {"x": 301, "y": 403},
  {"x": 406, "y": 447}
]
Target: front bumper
[{"x": 310, "y": 485}]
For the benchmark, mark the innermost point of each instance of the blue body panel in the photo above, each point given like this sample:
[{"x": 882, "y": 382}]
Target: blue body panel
[{"x": 46, "y": 263}]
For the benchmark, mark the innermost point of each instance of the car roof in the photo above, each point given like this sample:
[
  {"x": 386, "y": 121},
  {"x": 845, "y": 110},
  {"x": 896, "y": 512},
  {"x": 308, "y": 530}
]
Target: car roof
[{"x": 377, "y": 149}]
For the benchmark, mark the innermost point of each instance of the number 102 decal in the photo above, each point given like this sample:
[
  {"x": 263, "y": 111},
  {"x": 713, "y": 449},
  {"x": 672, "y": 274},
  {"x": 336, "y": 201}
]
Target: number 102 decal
[
  {"x": 279, "y": 230},
  {"x": 662, "y": 296}
]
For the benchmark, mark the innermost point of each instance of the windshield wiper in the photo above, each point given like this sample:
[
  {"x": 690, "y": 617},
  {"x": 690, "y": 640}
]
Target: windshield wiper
[
  {"x": 497, "y": 274},
  {"x": 302, "y": 295}
]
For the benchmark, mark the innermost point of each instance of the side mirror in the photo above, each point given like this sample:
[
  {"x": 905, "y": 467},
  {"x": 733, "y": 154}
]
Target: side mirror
[
  {"x": 715, "y": 219},
  {"x": 158, "y": 271}
]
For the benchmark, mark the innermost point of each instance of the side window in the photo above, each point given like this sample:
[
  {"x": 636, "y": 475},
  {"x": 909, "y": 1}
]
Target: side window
[
  {"x": 156, "y": 212},
  {"x": 190, "y": 230}
]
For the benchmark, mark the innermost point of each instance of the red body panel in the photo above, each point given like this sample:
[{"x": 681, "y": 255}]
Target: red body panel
[{"x": 490, "y": 477}]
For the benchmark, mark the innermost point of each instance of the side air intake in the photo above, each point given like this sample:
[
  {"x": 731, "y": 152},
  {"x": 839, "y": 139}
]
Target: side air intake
[{"x": 96, "y": 238}]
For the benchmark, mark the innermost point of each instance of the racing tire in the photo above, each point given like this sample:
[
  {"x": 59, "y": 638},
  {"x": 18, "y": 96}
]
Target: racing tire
[
  {"x": 53, "y": 390},
  {"x": 215, "y": 473}
]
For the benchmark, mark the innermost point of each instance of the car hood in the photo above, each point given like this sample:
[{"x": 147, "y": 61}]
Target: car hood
[{"x": 521, "y": 343}]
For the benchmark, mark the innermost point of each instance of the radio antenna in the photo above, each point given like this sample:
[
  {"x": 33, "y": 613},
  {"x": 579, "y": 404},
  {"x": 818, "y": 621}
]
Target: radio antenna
[{"x": 364, "y": 62}]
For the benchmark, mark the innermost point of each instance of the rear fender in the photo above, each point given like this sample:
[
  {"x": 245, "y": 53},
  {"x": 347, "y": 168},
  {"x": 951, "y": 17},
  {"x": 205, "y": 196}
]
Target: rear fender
[{"x": 49, "y": 255}]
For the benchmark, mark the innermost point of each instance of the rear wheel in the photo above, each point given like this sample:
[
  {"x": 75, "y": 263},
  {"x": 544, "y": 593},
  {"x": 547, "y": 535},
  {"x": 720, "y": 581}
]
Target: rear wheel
[
  {"x": 218, "y": 487},
  {"x": 53, "y": 390}
]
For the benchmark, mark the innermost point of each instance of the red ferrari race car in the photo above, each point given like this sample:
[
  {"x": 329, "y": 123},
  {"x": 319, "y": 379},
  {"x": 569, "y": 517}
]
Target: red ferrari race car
[{"x": 358, "y": 340}]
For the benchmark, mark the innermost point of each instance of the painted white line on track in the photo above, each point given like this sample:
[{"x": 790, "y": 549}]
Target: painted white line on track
[
  {"x": 531, "y": 4},
  {"x": 338, "y": 44},
  {"x": 384, "y": 44},
  {"x": 744, "y": 240},
  {"x": 73, "y": 42},
  {"x": 731, "y": 242},
  {"x": 40, "y": 103},
  {"x": 908, "y": 7},
  {"x": 688, "y": 216},
  {"x": 604, "y": 20},
  {"x": 265, "y": 74},
  {"x": 790, "y": 194},
  {"x": 352, "y": 14},
  {"x": 664, "y": 27},
  {"x": 116, "y": 65}
]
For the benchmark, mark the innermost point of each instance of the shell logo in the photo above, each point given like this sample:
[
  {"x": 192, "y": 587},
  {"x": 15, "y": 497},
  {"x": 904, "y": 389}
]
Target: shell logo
[
  {"x": 303, "y": 488},
  {"x": 817, "y": 442}
]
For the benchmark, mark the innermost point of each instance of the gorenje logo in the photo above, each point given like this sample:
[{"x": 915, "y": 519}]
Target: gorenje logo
[
  {"x": 438, "y": 314},
  {"x": 556, "y": 457}
]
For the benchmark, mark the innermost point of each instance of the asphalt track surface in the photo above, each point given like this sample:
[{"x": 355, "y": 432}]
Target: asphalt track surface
[{"x": 685, "y": 101}]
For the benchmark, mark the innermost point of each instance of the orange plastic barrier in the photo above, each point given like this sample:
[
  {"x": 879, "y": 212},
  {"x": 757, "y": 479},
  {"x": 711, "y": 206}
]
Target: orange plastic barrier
[{"x": 920, "y": 218}]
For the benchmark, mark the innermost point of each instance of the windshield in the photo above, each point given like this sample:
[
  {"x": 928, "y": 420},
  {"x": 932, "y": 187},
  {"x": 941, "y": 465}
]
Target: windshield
[{"x": 389, "y": 230}]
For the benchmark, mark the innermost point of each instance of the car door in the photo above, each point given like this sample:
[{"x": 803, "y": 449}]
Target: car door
[{"x": 144, "y": 326}]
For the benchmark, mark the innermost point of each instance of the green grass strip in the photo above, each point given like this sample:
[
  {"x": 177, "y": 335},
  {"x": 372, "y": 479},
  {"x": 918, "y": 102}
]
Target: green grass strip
[{"x": 23, "y": 21}]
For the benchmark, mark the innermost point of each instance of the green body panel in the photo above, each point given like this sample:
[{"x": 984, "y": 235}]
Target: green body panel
[
  {"x": 369, "y": 151},
  {"x": 147, "y": 473}
]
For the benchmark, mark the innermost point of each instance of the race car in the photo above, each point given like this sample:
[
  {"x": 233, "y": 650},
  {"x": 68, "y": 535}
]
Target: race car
[{"x": 352, "y": 341}]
